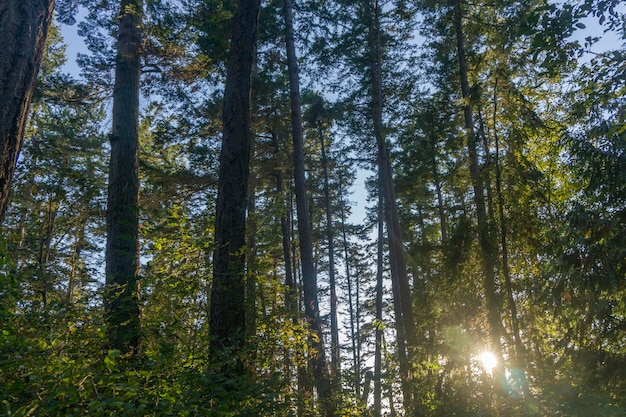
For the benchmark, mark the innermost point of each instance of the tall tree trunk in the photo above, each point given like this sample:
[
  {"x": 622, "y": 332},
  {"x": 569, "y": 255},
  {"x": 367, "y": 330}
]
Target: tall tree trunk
[
  {"x": 520, "y": 360},
  {"x": 330, "y": 238},
  {"x": 227, "y": 318},
  {"x": 45, "y": 246},
  {"x": 291, "y": 293},
  {"x": 400, "y": 282},
  {"x": 354, "y": 330},
  {"x": 378, "y": 354},
  {"x": 487, "y": 250},
  {"x": 122, "y": 250},
  {"x": 23, "y": 31},
  {"x": 309, "y": 279}
]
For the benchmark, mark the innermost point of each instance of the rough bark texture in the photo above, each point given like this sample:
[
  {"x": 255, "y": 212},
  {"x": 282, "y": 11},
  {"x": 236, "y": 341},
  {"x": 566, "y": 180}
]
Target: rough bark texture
[
  {"x": 309, "y": 278},
  {"x": 122, "y": 250},
  {"x": 23, "y": 30},
  {"x": 487, "y": 250},
  {"x": 227, "y": 321}
]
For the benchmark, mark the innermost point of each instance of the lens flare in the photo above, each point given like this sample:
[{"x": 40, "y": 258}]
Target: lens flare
[{"x": 488, "y": 360}]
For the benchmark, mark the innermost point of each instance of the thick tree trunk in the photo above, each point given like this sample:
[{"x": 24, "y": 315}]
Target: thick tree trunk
[
  {"x": 487, "y": 250},
  {"x": 309, "y": 279},
  {"x": 23, "y": 30},
  {"x": 227, "y": 317},
  {"x": 122, "y": 250}
]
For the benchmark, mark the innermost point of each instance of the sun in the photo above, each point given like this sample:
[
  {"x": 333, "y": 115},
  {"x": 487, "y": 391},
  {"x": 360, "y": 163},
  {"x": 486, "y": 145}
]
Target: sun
[{"x": 488, "y": 360}]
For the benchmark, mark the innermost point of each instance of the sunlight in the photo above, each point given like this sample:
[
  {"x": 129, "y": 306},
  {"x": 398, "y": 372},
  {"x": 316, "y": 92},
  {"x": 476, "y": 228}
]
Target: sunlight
[{"x": 488, "y": 360}]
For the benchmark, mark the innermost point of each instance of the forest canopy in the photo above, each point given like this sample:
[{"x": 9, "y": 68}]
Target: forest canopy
[{"x": 313, "y": 208}]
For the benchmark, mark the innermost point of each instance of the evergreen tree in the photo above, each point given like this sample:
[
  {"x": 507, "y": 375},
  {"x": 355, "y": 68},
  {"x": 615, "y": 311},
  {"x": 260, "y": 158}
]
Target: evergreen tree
[
  {"x": 227, "y": 319},
  {"x": 23, "y": 35},
  {"x": 122, "y": 252}
]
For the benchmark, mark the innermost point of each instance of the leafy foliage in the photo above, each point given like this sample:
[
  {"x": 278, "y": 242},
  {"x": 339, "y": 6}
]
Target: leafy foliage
[{"x": 550, "y": 119}]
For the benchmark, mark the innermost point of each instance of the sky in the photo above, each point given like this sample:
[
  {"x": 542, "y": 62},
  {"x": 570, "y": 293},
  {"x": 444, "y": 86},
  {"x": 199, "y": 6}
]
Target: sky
[{"x": 608, "y": 41}]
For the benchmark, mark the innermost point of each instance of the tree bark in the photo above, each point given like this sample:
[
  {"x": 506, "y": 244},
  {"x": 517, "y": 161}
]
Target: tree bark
[
  {"x": 400, "y": 283},
  {"x": 520, "y": 357},
  {"x": 309, "y": 279},
  {"x": 227, "y": 316},
  {"x": 23, "y": 31},
  {"x": 487, "y": 250},
  {"x": 378, "y": 354},
  {"x": 122, "y": 250},
  {"x": 354, "y": 313},
  {"x": 330, "y": 238}
]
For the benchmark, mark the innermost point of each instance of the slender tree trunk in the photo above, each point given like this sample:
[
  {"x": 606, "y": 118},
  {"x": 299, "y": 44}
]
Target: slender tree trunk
[
  {"x": 305, "y": 384},
  {"x": 330, "y": 238},
  {"x": 285, "y": 229},
  {"x": 291, "y": 292},
  {"x": 398, "y": 259},
  {"x": 122, "y": 250},
  {"x": 43, "y": 255},
  {"x": 486, "y": 245},
  {"x": 309, "y": 279},
  {"x": 378, "y": 355},
  {"x": 400, "y": 282},
  {"x": 520, "y": 360},
  {"x": 354, "y": 330},
  {"x": 227, "y": 321},
  {"x": 23, "y": 31}
]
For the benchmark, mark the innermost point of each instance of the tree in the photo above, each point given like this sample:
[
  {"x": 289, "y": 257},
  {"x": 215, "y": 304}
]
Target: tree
[
  {"x": 309, "y": 278},
  {"x": 23, "y": 35},
  {"x": 400, "y": 284},
  {"x": 122, "y": 250},
  {"x": 227, "y": 317},
  {"x": 485, "y": 240}
]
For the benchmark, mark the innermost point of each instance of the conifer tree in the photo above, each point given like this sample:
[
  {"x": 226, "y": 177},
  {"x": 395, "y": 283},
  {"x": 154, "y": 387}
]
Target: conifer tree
[
  {"x": 227, "y": 319},
  {"x": 309, "y": 278},
  {"x": 23, "y": 31},
  {"x": 122, "y": 251}
]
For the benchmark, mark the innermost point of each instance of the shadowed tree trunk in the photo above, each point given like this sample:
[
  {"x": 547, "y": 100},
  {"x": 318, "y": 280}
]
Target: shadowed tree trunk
[
  {"x": 487, "y": 250},
  {"x": 378, "y": 354},
  {"x": 519, "y": 360},
  {"x": 405, "y": 321},
  {"x": 227, "y": 317},
  {"x": 23, "y": 31},
  {"x": 122, "y": 251},
  {"x": 309, "y": 278},
  {"x": 330, "y": 238},
  {"x": 354, "y": 313}
]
